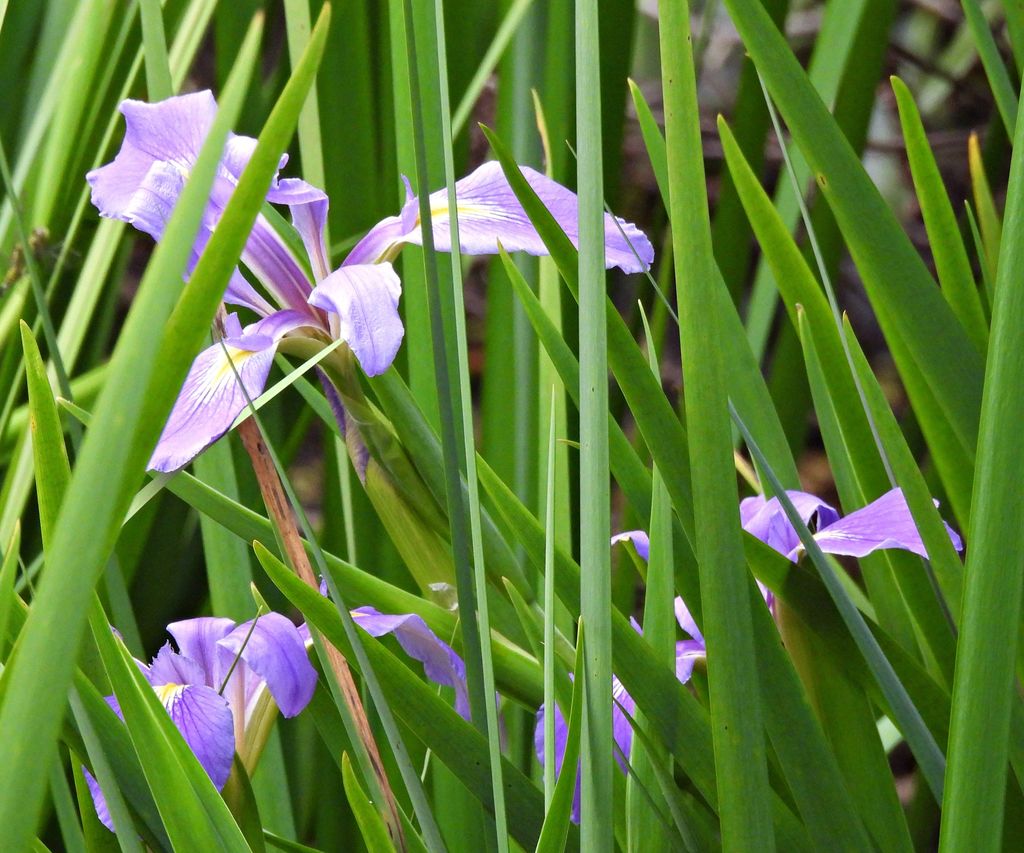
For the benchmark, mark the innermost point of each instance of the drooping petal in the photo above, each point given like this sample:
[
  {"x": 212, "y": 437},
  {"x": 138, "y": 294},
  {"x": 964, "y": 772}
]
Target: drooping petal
[
  {"x": 197, "y": 640},
  {"x": 767, "y": 520},
  {"x": 640, "y": 541},
  {"x": 204, "y": 719},
  {"x": 99, "y": 801},
  {"x": 688, "y": 652},
  {"x": 211, "y": 397},
  {"x": 274, "y": 652},
  {"x": 154, "y": 198},
  {"x": 561, "y": 737},
  {"x": 440, "y": 662},
  {"x": 685, "y": 620},
  {"x": 884, "y": 523},
  {"x": 622, "y": 731},
  {"x": 365, "y": 299},
  {"x": 489, "y": 212}
]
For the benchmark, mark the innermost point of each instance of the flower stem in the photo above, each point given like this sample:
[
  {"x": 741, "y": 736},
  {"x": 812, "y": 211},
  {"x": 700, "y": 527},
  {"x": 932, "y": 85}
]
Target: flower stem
[{"x": 280, "y": 513}]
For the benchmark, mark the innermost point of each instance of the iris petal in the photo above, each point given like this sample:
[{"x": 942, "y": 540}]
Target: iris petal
[
  {"x": 884, "y": 523},
  {"x": 489, "y": 212},
  {"x": 440, "y": 662},
  {"x": 274, "y": 651},
  {"x": 197, "y": 640},
  {"x": 639, "y": 539},
  {"x": 204, "y": 719},
  {"x": 365, "y": 299},
  {"x": 766, "y": 519},
  {"x": 211, "y": 398}
]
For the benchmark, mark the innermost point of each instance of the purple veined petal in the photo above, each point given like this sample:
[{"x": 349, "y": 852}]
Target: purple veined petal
[
  {"x": 489, "y": 212},
  {"x": 767, "y": 520},
  {"x": 153, "y": 200},
  {"x": 240, "y": 292},
  {"x": 380, "y": 243},
  {"x": 365, "y": 299},
  {"x": 309, "y": 219},
  {"x": 685, "y": 620},
  {"x": 197, "y": 640},
  {"x": 884, "y": 523},
  {"x": 204, "y": 719},
  {"x": 211, "y": 399},
  {"x": 99, "y": 801},
  {"x": 171, "y": 131},
  {"x": 275, "y": 653},
  {"x": 561, "y": 737},
  {"x": 440, "y": 662},
  {"x": 170, "y": 667},
  {"x": 622, "y": 731},
  {"x": 640, "y": 541},
  {"x": 688, "y": 652}
]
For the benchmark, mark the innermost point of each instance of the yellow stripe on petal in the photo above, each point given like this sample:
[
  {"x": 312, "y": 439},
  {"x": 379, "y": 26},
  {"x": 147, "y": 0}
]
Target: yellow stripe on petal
[
  {"x": 233, "y": 355},
  {"x": 167, "y": 693}
]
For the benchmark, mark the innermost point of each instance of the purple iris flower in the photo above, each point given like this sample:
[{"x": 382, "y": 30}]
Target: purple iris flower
[
  {"x": 883, "y": 523},
  {"x": 357, "y": 303},
  {"x": 221, "y": 686}
]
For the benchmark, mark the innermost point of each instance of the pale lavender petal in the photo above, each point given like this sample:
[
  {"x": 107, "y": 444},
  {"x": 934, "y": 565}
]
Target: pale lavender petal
[
  {"x": 197, "y": 640},
  {"x": 240, "y": 292},
  {"x": 688, "y": 652},
  {"x": 211, "y": 398},
  {"x": 639, "y": 539},
  {"x": 766, "y": 519},
  {"x": 171, "y": 131},
  {"x": 309, "y": 219},
  {"x": 169, "y": 667},
  {"x": 274, "y": 651},
  {"x": 884, "y": 523},
  {"x": 440, "y": 662},
  {"x": 489, "y": 212},
  {"x": 561, "y": 737},
  {"x": 204, "y": 719},
  {"x": 365, "y": 299},
  {"x": 155, "y": 196},
  {"x": 685, "y": 620},
  {"x": 99, "y": 801},
  {"x": 622, "y": 731},
  {"x": 380, "y": 243}
]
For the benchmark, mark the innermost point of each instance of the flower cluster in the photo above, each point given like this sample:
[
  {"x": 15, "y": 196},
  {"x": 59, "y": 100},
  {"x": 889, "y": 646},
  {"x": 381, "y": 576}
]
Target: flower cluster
[
  {"x": 883, "y": 523},
  {"x": 299, "y": 294},
  {"x": 222, "y": 686}
]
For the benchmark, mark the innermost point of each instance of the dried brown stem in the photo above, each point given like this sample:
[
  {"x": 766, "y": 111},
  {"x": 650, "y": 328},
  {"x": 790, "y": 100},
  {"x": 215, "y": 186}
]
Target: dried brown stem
[{"x": 280, "y": 512}]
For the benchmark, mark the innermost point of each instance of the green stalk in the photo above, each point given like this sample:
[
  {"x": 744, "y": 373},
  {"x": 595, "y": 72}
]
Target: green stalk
[{"x": 595, "y": 521}]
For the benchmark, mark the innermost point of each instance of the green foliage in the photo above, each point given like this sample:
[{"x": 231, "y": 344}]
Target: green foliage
[{"x": 536, "y": 407}]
